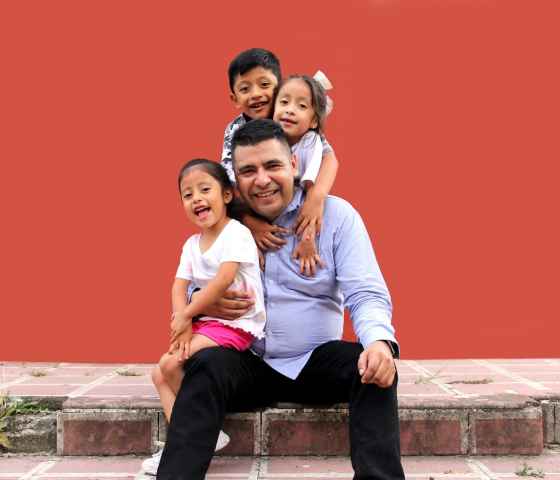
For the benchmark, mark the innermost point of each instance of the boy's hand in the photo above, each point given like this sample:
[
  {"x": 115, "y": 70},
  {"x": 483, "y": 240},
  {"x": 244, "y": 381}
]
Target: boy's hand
[
  {"x": 310, "y": 214},
  {"x": 179, "y": 323},
  {"x": 267, "y": 236},
  {"x": 306, "y": 253}
]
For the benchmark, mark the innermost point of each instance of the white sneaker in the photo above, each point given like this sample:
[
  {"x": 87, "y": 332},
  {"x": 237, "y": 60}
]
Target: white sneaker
[
  {"x": 150, "y": 465},
  {"x": 223, "y": 440}
]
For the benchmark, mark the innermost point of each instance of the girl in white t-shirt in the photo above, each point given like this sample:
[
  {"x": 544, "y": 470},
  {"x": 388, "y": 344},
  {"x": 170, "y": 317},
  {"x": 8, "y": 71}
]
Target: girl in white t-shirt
[{"x": 224, "y": 255}]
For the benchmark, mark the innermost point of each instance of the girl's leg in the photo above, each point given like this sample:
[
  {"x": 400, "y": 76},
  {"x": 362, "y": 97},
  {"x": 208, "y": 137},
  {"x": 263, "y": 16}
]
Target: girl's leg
[
  {"x": 168, "y": 375},
  {"x": 199, "y": 342},
  {"x": 167, "y": 378}
]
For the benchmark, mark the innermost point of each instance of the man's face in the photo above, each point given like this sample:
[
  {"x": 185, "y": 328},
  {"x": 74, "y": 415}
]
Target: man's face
[{"x": 265, "y": 176}]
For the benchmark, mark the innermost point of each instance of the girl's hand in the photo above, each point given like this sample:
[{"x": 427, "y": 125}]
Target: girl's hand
[
  {"x": 179, "y": 324},
  {"x": 267, "y": 236},
  {"x": 184, "y": 345},
  {"x": 306, "y": 253},
  {"x": 310, "y": 214}
]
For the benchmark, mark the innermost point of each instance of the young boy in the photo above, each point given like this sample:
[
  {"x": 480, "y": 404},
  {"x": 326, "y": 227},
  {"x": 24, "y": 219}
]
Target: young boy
[{"x": 253, "y": 77}]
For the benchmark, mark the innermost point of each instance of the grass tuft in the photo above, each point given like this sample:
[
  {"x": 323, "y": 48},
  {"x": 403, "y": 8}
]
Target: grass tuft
[{"x": 528, "y": 471}]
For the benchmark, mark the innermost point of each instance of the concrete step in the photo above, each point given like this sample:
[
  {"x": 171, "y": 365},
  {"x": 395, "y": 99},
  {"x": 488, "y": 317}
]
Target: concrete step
[{"x": 115, "y": 414}]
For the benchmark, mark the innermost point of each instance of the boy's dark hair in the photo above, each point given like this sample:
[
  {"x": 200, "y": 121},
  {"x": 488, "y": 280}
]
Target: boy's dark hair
[
  {"x": 257, "y": 131},
  {"x": 213, "y": 169},
  {"x": 249, "y": 59},
  {"x": 318, "y": 98}
]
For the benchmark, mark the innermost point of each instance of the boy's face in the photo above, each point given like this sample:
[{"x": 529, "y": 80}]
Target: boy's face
[{"x": 253, "y": 92}]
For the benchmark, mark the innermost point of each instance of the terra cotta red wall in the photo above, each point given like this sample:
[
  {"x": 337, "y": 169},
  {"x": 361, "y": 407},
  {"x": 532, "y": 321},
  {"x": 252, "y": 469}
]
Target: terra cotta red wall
[{"x": 446, "y": 124}]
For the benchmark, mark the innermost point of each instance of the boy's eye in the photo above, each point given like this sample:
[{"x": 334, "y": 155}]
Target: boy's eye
[
  {"x": 205, "y": 189},
  {"x": 187, "y": 195},
  {"x": 303, "y": 106}
]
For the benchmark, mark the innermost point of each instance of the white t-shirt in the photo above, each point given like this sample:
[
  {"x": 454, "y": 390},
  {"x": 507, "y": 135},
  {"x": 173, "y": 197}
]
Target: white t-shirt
[{"x": 234, "y": 244}]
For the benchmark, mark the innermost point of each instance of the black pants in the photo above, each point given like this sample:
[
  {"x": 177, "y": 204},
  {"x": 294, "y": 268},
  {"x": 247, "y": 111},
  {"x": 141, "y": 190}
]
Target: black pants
[{"x": 218, "y": 380}]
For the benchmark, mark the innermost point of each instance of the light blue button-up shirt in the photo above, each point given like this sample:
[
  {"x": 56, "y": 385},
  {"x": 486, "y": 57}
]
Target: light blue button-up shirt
[{"x": 305, "y": 312}]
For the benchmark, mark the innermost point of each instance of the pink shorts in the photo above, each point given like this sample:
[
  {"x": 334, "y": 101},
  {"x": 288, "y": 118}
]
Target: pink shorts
[{"x": 223, "y": 335}]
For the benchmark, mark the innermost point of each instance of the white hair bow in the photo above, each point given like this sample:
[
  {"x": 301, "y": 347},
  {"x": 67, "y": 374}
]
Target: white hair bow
[{"x": 322, "y": 80}]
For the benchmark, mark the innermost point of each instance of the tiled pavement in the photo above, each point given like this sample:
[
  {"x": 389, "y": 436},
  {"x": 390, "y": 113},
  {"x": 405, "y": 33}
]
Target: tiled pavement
[
  {"x": 420, "y": 379},
  {"x": 545, "y": 466}
]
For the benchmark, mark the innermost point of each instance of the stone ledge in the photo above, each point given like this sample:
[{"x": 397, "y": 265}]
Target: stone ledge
[{"x": 502, "y": 424}]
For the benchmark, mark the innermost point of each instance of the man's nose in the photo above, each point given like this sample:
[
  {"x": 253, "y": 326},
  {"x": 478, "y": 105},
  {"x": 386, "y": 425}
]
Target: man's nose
[{"x": 262, "y": 179}]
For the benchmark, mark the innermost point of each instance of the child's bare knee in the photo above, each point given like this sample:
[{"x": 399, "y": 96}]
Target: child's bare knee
[
  {"x": 169, "y": 365},
  {"x": 157, "y": 376}
]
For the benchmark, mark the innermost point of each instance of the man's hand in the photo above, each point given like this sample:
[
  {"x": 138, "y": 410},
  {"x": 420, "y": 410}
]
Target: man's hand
[
  {"x": 267, "y": 236},
  {"x": 376, "y": 365},
  {"x": 234, "y": 304}
]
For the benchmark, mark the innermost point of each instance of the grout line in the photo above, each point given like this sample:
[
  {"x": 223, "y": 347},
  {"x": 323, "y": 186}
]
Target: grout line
[
  {"x": 254, "y": 474},
  {"x": 299, "y": 476},
  {"x": 38, "y": 470},
  {"x": 90, "y": 386},
  {"x": 505, "y": 372},
  {"x": 482, "y": 470},
  {"x": 447, "y": 389},
  {"x": 23, "y": 378}
]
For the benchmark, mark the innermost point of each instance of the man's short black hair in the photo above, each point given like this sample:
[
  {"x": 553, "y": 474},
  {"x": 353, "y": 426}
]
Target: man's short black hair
[
  {"x": 252, "y": 58},
  {"x": 257, "y": 131}
]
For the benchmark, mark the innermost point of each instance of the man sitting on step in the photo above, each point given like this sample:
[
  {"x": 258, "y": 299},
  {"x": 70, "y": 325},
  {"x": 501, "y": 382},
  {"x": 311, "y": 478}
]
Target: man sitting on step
[{"x": 302, "y": 358}]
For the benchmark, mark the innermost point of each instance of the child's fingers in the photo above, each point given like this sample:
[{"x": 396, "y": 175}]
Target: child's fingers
[
  {"x": 302, "y": 226},
  {"x": 277, "y": 241},
  {"x": 319, "y": 261},
  {"x": 281, "y": 230}
]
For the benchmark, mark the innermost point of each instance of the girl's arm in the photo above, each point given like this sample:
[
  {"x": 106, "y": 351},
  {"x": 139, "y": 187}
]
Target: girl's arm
[
  {"x": 207, "y": 296},
  {"x": 214, "y": 290},
  {"x": 311, "y": 212},
  {"x": 179, "y": 294}
]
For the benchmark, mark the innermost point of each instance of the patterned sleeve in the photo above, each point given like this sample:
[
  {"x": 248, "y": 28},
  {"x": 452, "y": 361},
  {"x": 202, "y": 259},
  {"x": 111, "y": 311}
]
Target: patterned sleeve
[
  {"x": 226, "y": 149},
  {"x": 239, "y": 245},
  {"x": 184, "y": 270}
]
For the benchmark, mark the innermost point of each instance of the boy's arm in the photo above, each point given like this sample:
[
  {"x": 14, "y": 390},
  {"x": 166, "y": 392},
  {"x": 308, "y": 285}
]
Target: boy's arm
[
  {"x": 266, "y": 235},
  {"x": 311, "y": 212}
]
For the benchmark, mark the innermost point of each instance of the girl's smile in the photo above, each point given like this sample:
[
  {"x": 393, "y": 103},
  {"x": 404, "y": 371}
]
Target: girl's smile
[
  {"x": 294, "y": 109},
  {"x": 204, "y": 200}
]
